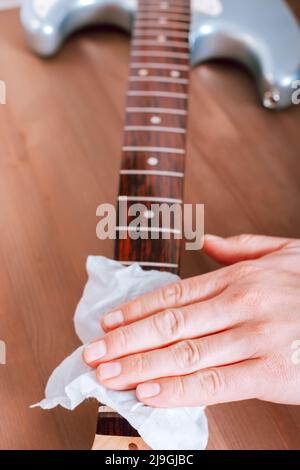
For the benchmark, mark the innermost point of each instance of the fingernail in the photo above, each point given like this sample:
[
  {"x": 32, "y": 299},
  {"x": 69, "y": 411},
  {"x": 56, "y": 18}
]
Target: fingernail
[
  {"x": 213, "y": 238},
  {"x": 148, "y": 390},
  {"x": 113, "y": 319},
  {"x": 94, "y": 351},
  {"x": 109, "y": 370}
]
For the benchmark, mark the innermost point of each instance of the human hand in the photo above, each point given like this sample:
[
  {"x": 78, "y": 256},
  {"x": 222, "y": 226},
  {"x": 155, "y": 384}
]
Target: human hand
[{"x": 228, "y": 335}]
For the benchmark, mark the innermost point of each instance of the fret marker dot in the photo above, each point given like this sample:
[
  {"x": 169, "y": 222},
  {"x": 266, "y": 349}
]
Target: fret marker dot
[
  {"x": 161, "y": 38},
  {"x": 155, "y": 120},
  {"x": 162, "y": 20},
  {"x": 143, "y": 72},
  {"x": 148, "y": 214},
  {"x": 153, "y": 161},
  {"x": 175, "y": 74}
]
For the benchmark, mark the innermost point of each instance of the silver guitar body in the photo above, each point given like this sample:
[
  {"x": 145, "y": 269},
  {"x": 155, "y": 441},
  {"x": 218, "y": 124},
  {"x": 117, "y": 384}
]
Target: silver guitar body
[{"x": 261, "y": 34}]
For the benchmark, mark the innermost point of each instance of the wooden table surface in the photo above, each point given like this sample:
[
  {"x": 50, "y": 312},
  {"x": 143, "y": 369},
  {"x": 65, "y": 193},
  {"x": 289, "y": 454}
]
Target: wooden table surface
[{"x": 60, "y": 140}]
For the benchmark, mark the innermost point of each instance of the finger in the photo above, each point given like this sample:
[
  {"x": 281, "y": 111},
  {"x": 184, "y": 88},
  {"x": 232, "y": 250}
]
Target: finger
[
  {"x": 162, "y": 329},
  {"x": 182, "y": 358},
  {"x": 242, "y": 247},
  {"x": 217, "y": 385},
  {"x": 177, "y": 294}
]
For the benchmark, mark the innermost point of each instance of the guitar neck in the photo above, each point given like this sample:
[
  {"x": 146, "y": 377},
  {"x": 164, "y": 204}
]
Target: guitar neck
[{"x": 153, "y": 155}]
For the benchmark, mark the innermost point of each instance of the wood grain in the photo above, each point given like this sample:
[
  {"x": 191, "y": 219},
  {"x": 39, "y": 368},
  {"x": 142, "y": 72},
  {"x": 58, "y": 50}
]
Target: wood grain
[
  {"x": 151, "y": 86},
  {"x": 60, "y": 140},
  {"x": 120, "y": 443}
]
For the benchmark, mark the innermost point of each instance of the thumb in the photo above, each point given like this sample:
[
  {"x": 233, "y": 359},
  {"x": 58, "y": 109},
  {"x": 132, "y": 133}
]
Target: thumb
[{"x": 242, "y": 247}]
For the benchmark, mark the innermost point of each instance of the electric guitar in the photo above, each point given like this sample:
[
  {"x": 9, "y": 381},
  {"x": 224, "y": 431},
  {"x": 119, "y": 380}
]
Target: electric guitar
[{"x": 166, "y": 34}]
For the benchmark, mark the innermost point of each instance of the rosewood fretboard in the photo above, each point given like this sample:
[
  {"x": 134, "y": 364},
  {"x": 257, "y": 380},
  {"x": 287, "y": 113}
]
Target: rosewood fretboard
[{"x": 153, "y": 155}]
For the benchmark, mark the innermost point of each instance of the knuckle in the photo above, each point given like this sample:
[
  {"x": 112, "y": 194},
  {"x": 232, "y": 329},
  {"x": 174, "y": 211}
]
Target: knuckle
[
  {"x": 257, "y": 299},
  {"x": 179, "y": 389},
  {"x": 235, "y": 297},
  {"x": 120, "y": 338},
  {"x": 172, "y": 294},
  {"x": 169, "y": 324},
  {"x": 130, "y": 309},
  {"x": 244, "y": 269},
  {"x": 259, "y": 330},
  {"x": 212, "y": 382},
  {"x": 187, "y": 355},
  {"x": 138, "y": 363},
  {"x": 134, "y": 308},
  {"x": 256, "y": 339},
  {"x": 247, "y": 296},
  {"x": 279, "y": 368}
]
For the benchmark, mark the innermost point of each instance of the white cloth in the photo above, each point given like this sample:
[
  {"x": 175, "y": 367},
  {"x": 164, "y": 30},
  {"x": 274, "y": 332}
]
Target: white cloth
[{"x": 110, "y": 284}]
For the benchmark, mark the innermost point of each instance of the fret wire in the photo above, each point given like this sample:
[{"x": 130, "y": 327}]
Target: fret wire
[
  {"x": 178, "y": 81},
  {"x": 153, "y": 264},
  {"x": 150, "y": 42},
  {"x": 157, "y": 65},
  {"x": 168, "y": 24},
  {"x": 177, "y": 11},
  {"x": 162, "y": 54},
  {"x": 166, "y": 16},
  {"x": 148, "y": 5},
  {"x": 151, "y": 10},
  {"x": 140, "y": 148},
  {"x": 154, "y": 32},
  {"x": 157, "y": 7},
  {"x": 181, "y": 112},
  {"x": 155, "y": 129},
  {"x": 162, "y": 94},
  {"x": 163, "y": 8},
  {"x": 169, "y": 2},
  {"x": 169, "y": 200},
  {"x": 171, "y": 174},
  {"x": 126, "y": 228}
]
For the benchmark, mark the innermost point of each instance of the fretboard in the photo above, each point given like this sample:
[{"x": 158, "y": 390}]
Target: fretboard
[{"x": 153, "y": 156}]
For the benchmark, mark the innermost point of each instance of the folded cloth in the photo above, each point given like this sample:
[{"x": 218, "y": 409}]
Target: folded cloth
[{"x": 109, "y": 285}]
